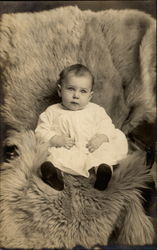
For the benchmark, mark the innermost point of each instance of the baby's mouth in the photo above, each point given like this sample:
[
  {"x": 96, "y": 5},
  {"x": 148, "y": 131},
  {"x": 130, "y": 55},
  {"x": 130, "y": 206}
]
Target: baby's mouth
[{"x": 75, "y": 103}]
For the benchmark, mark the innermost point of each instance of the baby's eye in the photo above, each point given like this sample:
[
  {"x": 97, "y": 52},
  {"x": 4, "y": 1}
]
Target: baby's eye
[
  {"x": 83, "y": 91},
  {"x": 70, "y": 88}
]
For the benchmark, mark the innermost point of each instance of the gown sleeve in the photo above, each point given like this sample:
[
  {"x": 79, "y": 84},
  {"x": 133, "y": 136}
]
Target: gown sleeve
[
  {"x": 105, "y": 125},
  {"x": 45, "y": 127}
]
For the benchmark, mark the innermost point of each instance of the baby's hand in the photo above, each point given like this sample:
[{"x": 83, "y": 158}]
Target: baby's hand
[
  {"x": 62, "y": 141},
  {"x": 96, "y": 141},
  {"x": 69, "y": 142}
]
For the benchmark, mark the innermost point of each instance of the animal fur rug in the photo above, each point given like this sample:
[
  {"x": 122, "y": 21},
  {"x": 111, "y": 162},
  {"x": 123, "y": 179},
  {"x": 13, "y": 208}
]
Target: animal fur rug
[{"x": 119, "y": 48}]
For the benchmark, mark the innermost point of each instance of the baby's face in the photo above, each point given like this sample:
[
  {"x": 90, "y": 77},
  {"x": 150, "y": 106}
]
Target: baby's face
[{"x": 76, "y": 91}]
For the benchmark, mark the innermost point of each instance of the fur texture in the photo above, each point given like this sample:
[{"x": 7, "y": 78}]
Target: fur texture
[
  {"x": 118, "y": 46},
  {"x": 33, "y": 215}
]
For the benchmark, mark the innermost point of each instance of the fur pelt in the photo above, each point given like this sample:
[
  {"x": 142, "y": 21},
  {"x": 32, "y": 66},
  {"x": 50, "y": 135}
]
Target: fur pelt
[
  {"x": 33, "y": 215},
  {"x": 118, "y": 47}
]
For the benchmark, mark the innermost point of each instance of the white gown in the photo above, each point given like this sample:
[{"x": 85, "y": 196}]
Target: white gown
[{"x": 81, "y": 125}]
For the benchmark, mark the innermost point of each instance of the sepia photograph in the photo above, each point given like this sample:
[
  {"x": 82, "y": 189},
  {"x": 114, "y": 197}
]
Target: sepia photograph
[{"x": 78, "y": 147}]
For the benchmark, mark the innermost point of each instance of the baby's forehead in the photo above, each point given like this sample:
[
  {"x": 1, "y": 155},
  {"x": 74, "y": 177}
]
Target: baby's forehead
[{"x": 73, "y": 75}]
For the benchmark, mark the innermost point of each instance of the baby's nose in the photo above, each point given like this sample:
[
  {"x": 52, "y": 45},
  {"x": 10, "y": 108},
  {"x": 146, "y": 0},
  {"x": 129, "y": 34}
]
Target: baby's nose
[{"x": 76, "y": 95}]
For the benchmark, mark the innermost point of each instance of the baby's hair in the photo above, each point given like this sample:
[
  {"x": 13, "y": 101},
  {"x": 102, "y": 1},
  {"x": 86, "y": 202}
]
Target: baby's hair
[{"x": 78, "y": 70}]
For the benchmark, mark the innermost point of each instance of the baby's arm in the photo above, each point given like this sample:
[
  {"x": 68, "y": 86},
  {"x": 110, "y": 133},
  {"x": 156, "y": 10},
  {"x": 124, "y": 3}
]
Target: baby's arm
[
  {"x": 45, "y": 129},
  {"x": 105, "y": 130}
]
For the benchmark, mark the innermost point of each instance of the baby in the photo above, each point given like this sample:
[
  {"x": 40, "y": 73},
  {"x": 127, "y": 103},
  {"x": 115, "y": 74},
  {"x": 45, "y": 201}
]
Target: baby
[{"x": 80, "y": 133}]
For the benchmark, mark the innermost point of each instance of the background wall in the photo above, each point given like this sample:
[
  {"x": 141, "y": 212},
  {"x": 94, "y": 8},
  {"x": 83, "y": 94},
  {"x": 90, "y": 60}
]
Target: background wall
[{"x": 31, "y": 6}]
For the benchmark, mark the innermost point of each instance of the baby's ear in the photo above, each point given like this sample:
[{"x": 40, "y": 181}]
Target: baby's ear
[
  {"x": 59, "y": 89},
  {"x": 91, "y": 95}
]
